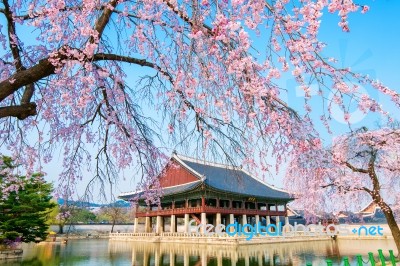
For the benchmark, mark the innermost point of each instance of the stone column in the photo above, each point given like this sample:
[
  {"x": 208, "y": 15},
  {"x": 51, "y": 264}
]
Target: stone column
[
  {"x": 231, "y": 220},
  {"x": 145, "y": 258},
  {"x": 244, "y": 221},
  {"x": 277, "y": 220},
  {"x": 246, "y": 260},
  {"x": 219, "y": 259},
  {"x": 173, "y": 224},
  {"x": 187, "y": 228},
  {"x": 134, "y": 257},
  {"x": 147, "y": 225},
  {"x": 286, "y": 220},
  {"x": 257, "y": 221},
  {"x": 136, "y": 225},
  {"x": 203, "y": 222},
  {"x": 217, "y": 219},
  {"x": 260, "y": 259},
  {"x": 172, "y": 258},
  {"x": 203, "y": 258},
  {"x": 157, "y": 256},
  {"x": 268, "y": 220},
  {"x": 159, "y": 225},
  {"x": 185, "y": 258}
]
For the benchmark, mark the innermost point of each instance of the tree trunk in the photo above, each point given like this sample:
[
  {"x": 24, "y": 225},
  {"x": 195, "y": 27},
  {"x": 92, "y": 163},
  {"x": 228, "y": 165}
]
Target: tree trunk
[
  {"x": 60, "y": 229},
  {"x": 394, "y": 228},
  {"x": 112, "y": 228}
]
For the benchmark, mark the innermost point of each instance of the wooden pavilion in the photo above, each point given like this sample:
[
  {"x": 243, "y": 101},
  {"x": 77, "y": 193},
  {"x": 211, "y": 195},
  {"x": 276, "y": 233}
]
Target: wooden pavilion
[{"x": 209, "y": 193}]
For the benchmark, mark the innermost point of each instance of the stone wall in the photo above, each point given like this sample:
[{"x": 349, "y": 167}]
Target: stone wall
[{"x": 11, "y": 254}]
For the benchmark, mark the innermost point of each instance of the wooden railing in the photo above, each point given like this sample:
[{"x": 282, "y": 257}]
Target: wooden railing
[{"x": 208, "y": 210}]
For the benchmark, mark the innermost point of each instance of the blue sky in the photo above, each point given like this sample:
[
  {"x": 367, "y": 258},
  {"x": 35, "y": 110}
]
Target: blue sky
[{"x": 371, "y": 46}]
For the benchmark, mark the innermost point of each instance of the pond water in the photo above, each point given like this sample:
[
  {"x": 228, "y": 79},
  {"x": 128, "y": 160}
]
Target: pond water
[{"x": 103, "y": 252}]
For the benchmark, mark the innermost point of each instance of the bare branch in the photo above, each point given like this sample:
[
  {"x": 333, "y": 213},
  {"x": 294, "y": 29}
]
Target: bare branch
[
  {"x": 355, "y": 169},
  {"x": 21, "y": 111}
]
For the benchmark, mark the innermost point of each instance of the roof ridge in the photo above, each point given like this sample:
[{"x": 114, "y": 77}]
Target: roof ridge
[{"x": 204, "y": 162}]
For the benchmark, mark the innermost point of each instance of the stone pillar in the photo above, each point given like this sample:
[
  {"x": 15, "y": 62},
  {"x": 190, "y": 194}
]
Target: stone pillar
[
  {"x": 147, "y": 225},
  {"x": 172, "y": 258},
  {"x": 257, "y": 221},
  {"x": 173, "y": 224},
  {"x": 134, "y": 262},
  {"x": 203, "y": 222},
  {"x": 246, "y": 260},
  {"x": 287, "y": 224},
  {"x": 219, "y": 259},
  {"x": 187, "y": 228},
  {"x": 136, "y": 225},
  {"x": 159, "y": 225},
  {"x": 268, "y": 220},
  {"x": 244, "y": 221},
  {"x": 146, "y": 258},
  {"x": 157, "y": 256},
  {"x": 203, "y": 258},
  {"x": 231, "y": 221},
  {"x": 260, "y": 259},
  {"x": 185, "y": 258},
  {"x": 217, "y": 219},
  {"x": 277, "y": 220}
]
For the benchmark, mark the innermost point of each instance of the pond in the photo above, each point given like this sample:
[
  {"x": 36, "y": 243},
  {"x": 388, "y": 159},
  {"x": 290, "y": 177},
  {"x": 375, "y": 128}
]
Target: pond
[{"x": 103, "y": 252}]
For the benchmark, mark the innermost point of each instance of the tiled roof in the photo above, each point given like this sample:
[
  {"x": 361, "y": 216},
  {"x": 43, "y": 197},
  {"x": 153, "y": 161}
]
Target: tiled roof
[
  {"x": 165, "y": 191},
  {"x": 234, "y": 181}
]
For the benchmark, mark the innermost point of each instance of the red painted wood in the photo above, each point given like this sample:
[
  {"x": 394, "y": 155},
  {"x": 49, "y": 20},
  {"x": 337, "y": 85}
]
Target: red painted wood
[
  {"x": 176, "y": 175},
  {"x": 208, "y": 210}
]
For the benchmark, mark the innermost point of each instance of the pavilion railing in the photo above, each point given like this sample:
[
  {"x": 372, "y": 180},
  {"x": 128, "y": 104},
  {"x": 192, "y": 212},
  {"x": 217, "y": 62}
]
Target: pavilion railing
[{"x": 208, "y": 209}]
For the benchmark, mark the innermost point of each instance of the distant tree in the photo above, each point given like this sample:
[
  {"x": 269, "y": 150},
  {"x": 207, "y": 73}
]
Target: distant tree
[
  {"x": 23, "y": 212},
  {"x": 60, "y": 216},
  {"x": 81, "y": 215},
  {"x": 114, "y": 214}
]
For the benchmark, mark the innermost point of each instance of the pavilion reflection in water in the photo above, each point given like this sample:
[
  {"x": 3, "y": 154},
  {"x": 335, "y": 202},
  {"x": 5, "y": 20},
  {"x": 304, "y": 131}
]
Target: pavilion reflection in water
[{"x": 159, "y": 254}]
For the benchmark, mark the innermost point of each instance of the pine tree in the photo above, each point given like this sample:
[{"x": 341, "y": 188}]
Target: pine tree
[{"x": 24, "y": 208}]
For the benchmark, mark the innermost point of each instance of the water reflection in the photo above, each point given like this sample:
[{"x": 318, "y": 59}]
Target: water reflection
[
  {"x": 144, "y": 254},
  {"x": 95, "y": 252}
]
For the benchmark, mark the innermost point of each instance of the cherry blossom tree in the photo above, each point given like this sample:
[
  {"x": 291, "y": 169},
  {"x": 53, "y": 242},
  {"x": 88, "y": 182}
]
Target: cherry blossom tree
[
  {"x": 359, "y": 167},
  {"x": 88, "y": 77}
]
